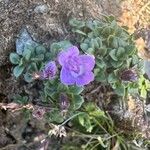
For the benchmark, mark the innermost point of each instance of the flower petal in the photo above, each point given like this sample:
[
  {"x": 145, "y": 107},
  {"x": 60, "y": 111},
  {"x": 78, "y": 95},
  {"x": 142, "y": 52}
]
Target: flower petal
[
  {"x": 66, "y": 77},
  {"x": 88, "y": 61},
  {"x": 64, "y": 55},
  {"x": 85, "y": 79}
]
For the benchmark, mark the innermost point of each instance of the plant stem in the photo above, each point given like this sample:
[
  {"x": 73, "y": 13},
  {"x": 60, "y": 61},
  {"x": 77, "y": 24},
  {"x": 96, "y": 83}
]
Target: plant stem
[{"x": 71, "y": 118}]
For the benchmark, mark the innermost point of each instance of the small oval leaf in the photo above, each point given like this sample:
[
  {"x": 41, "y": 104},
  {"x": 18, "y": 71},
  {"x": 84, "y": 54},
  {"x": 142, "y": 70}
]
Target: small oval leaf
[
  {"x": 18, "y": 70},
  {"x": 14, "y": 58}
]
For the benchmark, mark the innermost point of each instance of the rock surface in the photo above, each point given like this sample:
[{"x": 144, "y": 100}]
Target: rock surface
[{"x": 45, "y": 20}]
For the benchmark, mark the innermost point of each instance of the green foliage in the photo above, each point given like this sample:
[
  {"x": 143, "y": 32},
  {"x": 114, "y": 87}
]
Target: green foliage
[
  {"x": 77, "y": 101},
  {"x": 28, "y": 62},
  {"x": 14, "y": 58},
  {"x": 114, "y": 51},
  {"x": 55, "y": 116},
  {"x": 87, "y": 119},
  {"x": 33, "y": 59},
  {"x": 18, "y": 70},
  {"x": 21, "y": 99},
  {"x": 144, "y": 86},
  {"x": 57, "y": 47}
]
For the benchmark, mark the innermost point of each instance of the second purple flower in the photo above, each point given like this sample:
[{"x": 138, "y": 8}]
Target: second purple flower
[
  {"x": 76, "y": 69},
  {"x": 49, "y": 70}
]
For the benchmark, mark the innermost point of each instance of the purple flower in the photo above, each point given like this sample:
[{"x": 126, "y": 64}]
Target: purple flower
[
  {"x": 49, "y": 71},
  {"x": 76, "y": 69}
]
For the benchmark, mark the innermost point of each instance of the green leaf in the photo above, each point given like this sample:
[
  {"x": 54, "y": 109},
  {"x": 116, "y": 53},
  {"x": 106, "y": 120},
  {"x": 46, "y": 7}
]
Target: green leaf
[
  {"x": 38, "y": 58},
  {"x": 55, "y": 116},
  {"x": 79, "y": 32},
  {"x": 96, "y": 44},
  {"x": 91, "y": 35},
  {"x": 75, "y": 90},
  {"x": 115, "y": 42},
  {"x": 77, "y": 101},
  {"x": 147, "y": 84},
  {"x": 143, "y": 92},
  {"x": 29, "y": 47},
  {"x": 18, "y": 70},
  {"x": 32, "y": 67},
  {"x": 57, "y": 47},
  {"x": 61, "y": 88},
  {"x": 40, "y": 50},
  {"x": 112, "y": 54},
  {"x": 90, "y": 25},
  {"x": 97, "y": 113},
  {"x": 112, "y": 78},
  {"x": 89, "y": 107},
  {"x": 93, "y": 25},
  {"x": 81, "y": 119},
  {"x": 100, "y": 63},
  {"x": 48, "y": 56},
  {"x": 120, "y": 52},
  {"x": 84, "y": 46},
  {"x": 14, "y": 58},
  {"x": 96, "y": 71},
  {"x": 116, "y": 64},
  {"x": 90, "y": 51},
  {"x": 28, "y": 77},
  {"x": 100, "y": 76},
  {"x": 76, "y": 23},
  {"x": 120, "y": 89},
  {"x": 99, "y": 40},
  {"x": 91, "y": 44},
  {"x": 106, "y": 31},
  {"x": 109, "y": 18},
  {"x": 27, "y": 54},
  {"x": 135, "y": 59},
  {"x": 84, "y": 120},
  {"x": 22, "y": 61},
  {"x": 118, "y": 32},
  {"x": 122, "y": 42},
  {"x": 102, "y": 51},
  {"x": 21, "y": 99},
  {"x": 133, "y": 90},
  {"x": 94, "y": 110},
  {"x": 113, "y": 24},
  {"x": 130, "y": 49}
]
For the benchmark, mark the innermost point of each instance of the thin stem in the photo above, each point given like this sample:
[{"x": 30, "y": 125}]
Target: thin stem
[
  {"x": 71, "y": 118},
  {"x": 89, "y": 141},
  {"x": 101, "y": 126},
  {"x": 95, "y": 146}
]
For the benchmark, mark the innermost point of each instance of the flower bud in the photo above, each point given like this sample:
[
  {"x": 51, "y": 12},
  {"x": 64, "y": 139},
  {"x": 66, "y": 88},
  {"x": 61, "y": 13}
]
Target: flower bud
[
  {"x": 63, "y": 102},
  {"x": 129, "y": 75}
]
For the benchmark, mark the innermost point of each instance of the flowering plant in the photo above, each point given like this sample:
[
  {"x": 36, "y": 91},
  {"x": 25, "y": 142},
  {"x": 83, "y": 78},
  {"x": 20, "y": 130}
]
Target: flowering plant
[{"x": 107, "y": 57}]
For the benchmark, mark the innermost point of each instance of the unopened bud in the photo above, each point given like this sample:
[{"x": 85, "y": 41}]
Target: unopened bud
[{"x": 129, "y": 75}]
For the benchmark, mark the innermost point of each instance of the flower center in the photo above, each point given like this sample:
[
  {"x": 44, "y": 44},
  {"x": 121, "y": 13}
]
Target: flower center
[{"x": 75, "y": 66}]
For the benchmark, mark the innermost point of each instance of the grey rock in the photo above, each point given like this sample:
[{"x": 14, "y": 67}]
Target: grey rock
[
  {"x": 41, "y": 9},
  {"x": 47, "y": 21},
  {"x": 23, "y": 40}
]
